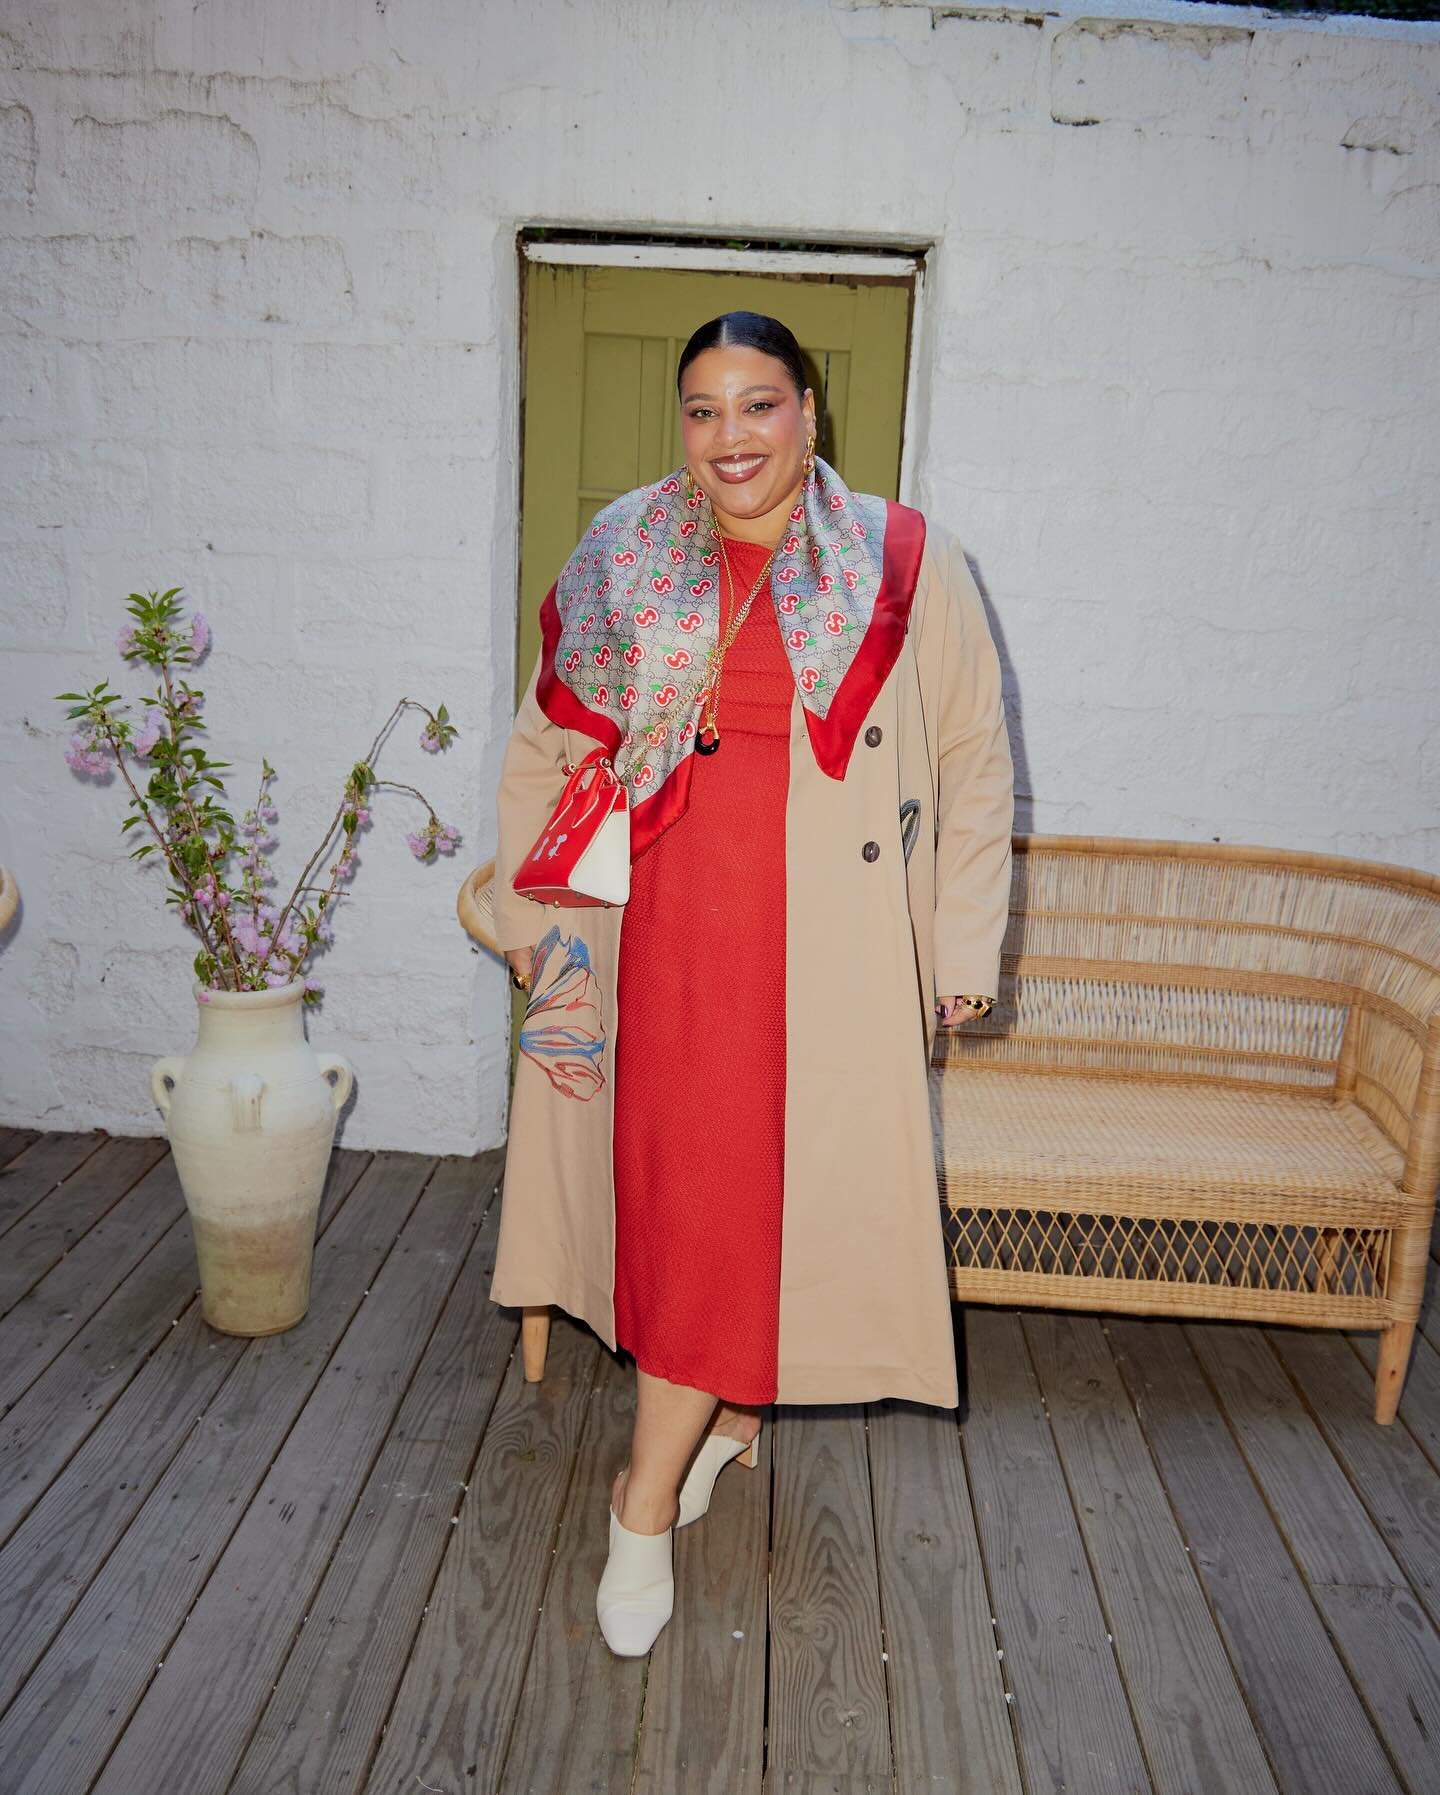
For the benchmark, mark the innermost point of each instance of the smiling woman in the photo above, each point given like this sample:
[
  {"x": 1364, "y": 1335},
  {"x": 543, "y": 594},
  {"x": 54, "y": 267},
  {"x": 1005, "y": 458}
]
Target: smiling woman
[{"x": 799, "y": 683}]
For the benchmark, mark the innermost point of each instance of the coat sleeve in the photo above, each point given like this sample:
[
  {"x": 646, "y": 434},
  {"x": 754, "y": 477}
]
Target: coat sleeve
[
  {"x": 531, "y": 780},
  {"x": 975, "y": 805}
]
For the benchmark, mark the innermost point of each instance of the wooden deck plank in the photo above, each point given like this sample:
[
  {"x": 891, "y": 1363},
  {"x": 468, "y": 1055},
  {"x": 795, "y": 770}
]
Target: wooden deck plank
[
  {"x": 451, "y": 1722},
  {"x": 15, "y": 1140},
  {"x": 951, "y": 1722},
  {"x": 1332, "y": 1537},
  {"x": 1314, "y": 1726},
  {"x": 703, "y": 1731},
  {"x": 72, "y": 1396},
  {"x": 53, "y": 1227},
  {"x": 44, "y": 1322},
  {"x": 31, "y": 1172},
  {"x": 78, "y": 1699},
  {"x": 572, "y": 1672},
  {"x": 222, "y": 1668},
  {"x": 1392, "y": 1476},
  {"x": 319, "y": 1730},
  {"x": 1188, "y": 1708},
  {"x": 829, "y": 1707},
  {"x": 1072, "y": 1717},
  {"x": 1390, "y": 1648}
]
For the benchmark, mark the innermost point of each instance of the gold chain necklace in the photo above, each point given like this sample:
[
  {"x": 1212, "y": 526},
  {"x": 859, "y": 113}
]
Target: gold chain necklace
[{"x": 710, "y": 699}]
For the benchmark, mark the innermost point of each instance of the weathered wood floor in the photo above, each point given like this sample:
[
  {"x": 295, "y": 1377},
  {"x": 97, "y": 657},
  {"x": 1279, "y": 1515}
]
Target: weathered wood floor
[{"x": 363, "y": 1555}]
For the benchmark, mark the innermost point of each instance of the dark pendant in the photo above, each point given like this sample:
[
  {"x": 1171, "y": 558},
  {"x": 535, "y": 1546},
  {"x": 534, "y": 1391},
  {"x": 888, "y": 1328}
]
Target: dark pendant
[{"x": 704, "y": 747}]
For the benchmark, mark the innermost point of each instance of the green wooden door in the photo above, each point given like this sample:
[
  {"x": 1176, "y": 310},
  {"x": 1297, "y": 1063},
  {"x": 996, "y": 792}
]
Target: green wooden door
[{"x": 600, "y": 413}]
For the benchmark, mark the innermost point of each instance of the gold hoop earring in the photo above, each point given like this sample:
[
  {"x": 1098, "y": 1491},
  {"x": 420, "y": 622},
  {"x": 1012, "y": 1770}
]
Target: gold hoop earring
[
  {"x": 807, "y": 466},
  {"x": 690, "y": 487}
]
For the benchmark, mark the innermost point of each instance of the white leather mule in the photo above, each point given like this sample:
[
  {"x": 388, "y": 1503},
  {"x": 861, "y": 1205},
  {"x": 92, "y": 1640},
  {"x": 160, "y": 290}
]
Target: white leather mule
[
  {"x": 716, "y": 1451},
  {"x": 636, "y": 1593}
]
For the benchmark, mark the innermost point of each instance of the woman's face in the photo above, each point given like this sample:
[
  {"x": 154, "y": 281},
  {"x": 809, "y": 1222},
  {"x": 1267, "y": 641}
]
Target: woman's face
[{"x": 746, "y": 429}]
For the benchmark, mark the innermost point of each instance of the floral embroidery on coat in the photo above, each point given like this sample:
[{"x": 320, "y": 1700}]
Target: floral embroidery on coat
[{"x": 561, "y": 1032}]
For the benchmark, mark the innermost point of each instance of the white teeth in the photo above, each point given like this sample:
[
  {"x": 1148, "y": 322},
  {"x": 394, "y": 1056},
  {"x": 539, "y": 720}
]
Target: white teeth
[{"x": 740, "y": 467}]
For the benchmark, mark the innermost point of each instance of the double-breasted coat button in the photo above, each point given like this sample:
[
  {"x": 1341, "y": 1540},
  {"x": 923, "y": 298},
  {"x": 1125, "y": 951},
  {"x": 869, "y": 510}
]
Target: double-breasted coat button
[
  {"x": 871, "y": 851},
  {"x": 872, "y": 735}
]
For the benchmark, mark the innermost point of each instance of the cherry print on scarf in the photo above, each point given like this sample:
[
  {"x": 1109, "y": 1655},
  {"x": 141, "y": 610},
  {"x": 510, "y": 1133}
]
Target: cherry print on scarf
[{"x": 636, "y": 608}]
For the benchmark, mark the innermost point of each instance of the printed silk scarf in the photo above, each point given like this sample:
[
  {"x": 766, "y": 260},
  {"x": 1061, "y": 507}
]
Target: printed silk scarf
[{"x": 628, "y": 623}]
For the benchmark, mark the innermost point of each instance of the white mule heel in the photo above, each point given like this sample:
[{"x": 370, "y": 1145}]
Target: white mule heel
[
  {"x": 716, "y": 1451},
  {"x": 636, "y": 1592}
]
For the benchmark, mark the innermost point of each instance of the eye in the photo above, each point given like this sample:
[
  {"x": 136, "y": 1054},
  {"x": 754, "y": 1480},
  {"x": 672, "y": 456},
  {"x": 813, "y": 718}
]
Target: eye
[
  {"x": 763, "y": 405},
  {"x": 700, "y": 411}
]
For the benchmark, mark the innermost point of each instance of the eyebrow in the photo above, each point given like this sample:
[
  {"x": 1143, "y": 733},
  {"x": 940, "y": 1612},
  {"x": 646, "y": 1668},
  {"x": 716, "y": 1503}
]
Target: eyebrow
[{"x": 691, "y": 397}]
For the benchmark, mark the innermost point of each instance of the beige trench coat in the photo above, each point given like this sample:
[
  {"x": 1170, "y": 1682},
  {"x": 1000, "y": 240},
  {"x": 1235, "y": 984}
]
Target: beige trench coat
[{"x": 864, "y": 1291}]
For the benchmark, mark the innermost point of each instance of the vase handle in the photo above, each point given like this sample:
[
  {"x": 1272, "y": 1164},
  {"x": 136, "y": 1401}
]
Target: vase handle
[
  {"x": 169, "y": 1068},
  {"x": 344, "y": 1076}
]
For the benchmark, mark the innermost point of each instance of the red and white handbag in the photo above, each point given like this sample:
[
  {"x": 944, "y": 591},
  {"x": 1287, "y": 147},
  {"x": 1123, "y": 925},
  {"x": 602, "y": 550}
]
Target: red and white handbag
[{"x": 583, "y": 852}]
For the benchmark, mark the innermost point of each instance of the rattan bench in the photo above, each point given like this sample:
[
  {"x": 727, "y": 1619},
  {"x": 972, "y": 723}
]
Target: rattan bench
[{"x": 1210, "y": 1087}]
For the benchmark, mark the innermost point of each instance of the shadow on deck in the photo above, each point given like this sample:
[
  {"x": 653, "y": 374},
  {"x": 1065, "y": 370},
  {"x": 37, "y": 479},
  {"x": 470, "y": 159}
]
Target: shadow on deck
[{"x": 362, "y": 1555}]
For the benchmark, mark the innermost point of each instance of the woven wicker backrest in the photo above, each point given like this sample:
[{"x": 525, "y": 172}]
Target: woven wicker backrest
[{"x": 1179, "y": 959}]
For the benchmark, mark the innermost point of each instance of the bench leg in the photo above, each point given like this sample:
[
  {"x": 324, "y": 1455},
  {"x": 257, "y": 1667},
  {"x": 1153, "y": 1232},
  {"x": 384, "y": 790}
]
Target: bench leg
[
  {"x": 534, "y": 1341},
  {"x": 1395, "y": 1344}
]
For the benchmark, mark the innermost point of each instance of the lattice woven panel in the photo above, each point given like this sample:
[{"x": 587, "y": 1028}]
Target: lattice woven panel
[{"x": 1224, "y": 1255}]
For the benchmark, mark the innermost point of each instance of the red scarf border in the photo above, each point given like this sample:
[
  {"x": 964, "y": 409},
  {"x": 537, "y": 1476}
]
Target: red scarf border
[{"x": 834, "y": 735}]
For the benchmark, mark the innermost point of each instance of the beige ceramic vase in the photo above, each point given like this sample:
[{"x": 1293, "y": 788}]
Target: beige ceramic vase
[{"x": 251, "y": 1121}]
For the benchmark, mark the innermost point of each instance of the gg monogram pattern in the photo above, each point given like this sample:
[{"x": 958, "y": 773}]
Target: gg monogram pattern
[{"x": 639, "y": 605}]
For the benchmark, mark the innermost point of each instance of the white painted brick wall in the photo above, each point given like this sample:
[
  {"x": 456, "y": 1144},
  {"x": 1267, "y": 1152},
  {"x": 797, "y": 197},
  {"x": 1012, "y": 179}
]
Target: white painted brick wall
[{"x": 1178, "y": 382}]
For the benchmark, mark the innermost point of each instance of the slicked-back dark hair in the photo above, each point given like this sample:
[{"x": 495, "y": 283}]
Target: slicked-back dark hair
[{"x": 752, "y": 330}]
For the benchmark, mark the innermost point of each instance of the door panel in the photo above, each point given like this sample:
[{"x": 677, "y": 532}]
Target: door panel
[{"x": 600, "y": 412}]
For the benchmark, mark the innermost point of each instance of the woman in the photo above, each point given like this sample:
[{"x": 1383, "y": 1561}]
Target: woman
[{"x": 720, "y": 1151}]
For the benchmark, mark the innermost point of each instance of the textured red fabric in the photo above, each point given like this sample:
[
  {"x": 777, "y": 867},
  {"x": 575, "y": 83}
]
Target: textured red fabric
[{"x": 700, "y": 1045}]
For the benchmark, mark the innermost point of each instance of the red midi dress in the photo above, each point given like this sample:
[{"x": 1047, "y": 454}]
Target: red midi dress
[{"x": 699, "y": 1136}]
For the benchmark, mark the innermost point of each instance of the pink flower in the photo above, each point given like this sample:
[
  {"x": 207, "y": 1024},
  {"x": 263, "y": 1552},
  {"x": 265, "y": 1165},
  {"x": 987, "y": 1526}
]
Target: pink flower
[
  {"x": 149, "y": 734},
  {"x": 199, "y": 634},
  {"x": 125, "y": 639},
  {"x": 275, "y": 979},
  {"x": 419, "y": 845},
  {"x": 85, "y": 753},
  {"x": 430, "y": 738},
  {"x": 188, "y": 703},
  {"x": 247, "y": 936}
]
